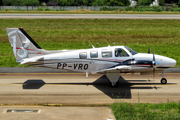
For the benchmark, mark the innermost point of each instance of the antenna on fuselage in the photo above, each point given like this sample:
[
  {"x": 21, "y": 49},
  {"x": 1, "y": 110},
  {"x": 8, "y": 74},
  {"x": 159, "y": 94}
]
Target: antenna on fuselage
[{"x": 92, "y": 45}]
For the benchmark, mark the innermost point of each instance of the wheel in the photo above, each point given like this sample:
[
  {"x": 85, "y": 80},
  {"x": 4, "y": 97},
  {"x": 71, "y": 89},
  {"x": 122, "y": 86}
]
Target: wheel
[
  {"x": 163, "y": 81},
  {"x": 115, "y": 84}
]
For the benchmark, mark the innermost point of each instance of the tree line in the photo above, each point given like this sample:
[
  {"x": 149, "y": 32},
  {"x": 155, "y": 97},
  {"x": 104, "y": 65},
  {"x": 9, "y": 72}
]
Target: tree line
[
  {"x": 65, "y": 2},
  {"x": 81, "y": 2}
]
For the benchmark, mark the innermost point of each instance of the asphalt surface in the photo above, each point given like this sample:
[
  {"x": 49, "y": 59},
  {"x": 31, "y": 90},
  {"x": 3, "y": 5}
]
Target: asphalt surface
[
  {"x": 88, "y": 16},
  {"x": 76, "y": 89}
]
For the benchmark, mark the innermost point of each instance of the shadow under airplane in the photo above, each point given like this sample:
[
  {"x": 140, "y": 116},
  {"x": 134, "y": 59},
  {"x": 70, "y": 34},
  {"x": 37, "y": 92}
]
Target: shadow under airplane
[{"x": 102, "y": 84}]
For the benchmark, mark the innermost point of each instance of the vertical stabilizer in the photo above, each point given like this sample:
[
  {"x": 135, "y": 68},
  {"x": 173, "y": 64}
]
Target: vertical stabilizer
[{"x": 22, "y": 44}]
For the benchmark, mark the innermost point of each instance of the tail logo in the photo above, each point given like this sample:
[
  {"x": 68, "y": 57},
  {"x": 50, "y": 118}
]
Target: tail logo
[{"x": 21, "y": 51}]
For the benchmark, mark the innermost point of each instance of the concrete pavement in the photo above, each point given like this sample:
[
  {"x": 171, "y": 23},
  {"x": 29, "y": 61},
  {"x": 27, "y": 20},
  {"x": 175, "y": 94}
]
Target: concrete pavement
[{"x": 55, "y": 113}]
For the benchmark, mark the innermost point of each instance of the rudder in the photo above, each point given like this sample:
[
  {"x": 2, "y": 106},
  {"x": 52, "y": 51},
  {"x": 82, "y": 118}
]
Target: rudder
[{"x": 22, "y": 44}]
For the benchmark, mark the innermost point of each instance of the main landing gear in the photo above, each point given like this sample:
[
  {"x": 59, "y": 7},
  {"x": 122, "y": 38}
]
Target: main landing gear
[{"x": 163, "y": 80}]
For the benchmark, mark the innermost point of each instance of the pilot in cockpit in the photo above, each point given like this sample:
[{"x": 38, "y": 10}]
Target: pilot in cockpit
[{"x": 118, "y": 54}]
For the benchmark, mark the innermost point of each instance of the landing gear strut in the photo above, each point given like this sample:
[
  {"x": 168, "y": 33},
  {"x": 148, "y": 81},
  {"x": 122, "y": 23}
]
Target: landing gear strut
[{"x": 163, "y": 80}]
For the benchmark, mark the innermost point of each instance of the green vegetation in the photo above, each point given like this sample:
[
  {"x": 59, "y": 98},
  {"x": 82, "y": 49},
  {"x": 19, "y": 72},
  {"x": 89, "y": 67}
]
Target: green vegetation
[
  {"x": 142, "y": 8},
  {"x": 20, "y": 2},
  {"x": 161, "y": 2},
  {"x": 161, "y": 35},
  {"x": 103, "y": 10},
  {"x": 65, "y": 2},
  {"x": 81, "y": 2},
  {"x": 146, "y": 111},
  {"x": 144, "y": 2}
]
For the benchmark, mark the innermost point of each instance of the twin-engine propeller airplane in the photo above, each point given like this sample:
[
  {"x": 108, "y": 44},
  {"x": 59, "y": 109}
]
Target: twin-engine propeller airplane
[{"x": 111, "y": 60}]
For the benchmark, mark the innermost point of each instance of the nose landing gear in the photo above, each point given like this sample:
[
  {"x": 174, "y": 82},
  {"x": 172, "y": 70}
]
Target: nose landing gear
[{"x": 163, "y": 80}]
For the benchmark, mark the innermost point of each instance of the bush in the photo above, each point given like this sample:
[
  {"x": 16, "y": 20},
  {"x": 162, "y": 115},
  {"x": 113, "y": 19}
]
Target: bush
[
  {"x": 169, "y": 9},
  {"x": 98, "y": 3},
  {"x": 144, "y": 2},
  {"x": 20, "y": 2},
  {"x": 6, "y": 9},
  {"x": 7, "y": 2},
  {"x": 17, "y": 2},
  {"x": 158, "y": 9},
  {"x": 150, "y": 9},
  {"x": 176, "y": 9},
  {"x": 106, "y": 8},
  {"x": 30, "y": 3},
  {"x": 161, "y": 2},
  {"x": 117, "y": 2},
  {"x": 40, "y": 9},
  {"x": 47, "y": 9}
]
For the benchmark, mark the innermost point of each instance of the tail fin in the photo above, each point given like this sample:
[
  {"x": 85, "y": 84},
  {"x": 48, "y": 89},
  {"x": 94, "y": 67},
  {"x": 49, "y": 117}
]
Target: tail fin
[{"x": 22, "y": 44}]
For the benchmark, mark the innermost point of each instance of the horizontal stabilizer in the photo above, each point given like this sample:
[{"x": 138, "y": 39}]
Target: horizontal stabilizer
[{"x": 30, "y": 60}]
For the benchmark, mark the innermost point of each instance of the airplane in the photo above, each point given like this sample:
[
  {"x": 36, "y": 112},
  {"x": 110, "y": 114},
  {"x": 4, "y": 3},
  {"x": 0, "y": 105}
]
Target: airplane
[{"x": 111, "y": 60}]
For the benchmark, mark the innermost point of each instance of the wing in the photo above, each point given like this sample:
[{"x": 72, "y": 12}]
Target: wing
[{"x": 123, "y": 68}]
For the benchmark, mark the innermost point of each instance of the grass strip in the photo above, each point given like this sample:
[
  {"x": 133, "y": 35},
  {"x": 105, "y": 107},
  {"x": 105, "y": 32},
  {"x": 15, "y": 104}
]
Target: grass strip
[
  {"x": 146, "y": 111},
  {"x": 55, "y": 34}
]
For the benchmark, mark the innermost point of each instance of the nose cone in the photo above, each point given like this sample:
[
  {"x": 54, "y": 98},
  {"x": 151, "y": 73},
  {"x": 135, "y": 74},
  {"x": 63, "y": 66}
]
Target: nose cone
[
  {"x": 171, "y": 62},
  {"x": 167, "y": 62}
]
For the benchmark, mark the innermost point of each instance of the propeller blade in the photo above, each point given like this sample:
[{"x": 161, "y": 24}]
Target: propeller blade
[
  {"x": 153, "y": 56},
  {"x": 153, "y": 65}
]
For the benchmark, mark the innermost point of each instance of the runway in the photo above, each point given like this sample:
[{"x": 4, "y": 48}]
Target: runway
[
  {"x": 76, "y": 89},
  {"x": 89, "y": 16}
]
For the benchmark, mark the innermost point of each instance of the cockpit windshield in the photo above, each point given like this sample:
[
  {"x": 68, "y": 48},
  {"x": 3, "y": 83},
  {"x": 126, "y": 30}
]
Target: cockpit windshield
[{"x": 133, "y": 52}]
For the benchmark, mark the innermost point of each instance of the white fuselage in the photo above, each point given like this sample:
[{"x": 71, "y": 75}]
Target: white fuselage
[{"x": 97, "y": 59}]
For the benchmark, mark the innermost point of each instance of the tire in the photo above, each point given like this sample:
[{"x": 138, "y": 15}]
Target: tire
[{"x": 163, "y": 81}]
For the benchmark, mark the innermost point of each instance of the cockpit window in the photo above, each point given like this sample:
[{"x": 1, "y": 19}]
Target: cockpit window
[
  {"x": 120, "y": 53},
  {"x": 133, "y": 52}
]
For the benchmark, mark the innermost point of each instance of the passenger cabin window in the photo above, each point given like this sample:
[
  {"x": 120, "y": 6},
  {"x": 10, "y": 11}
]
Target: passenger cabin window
[
  {"x": 94, "y": 54},
  {"x": 106, "y": 53},
  {"x": 83, "y": 55},
  {"x": 120, "y": 53}
]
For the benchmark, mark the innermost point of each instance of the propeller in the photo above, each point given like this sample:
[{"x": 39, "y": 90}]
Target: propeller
[{"x": 154, "y": 64}]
